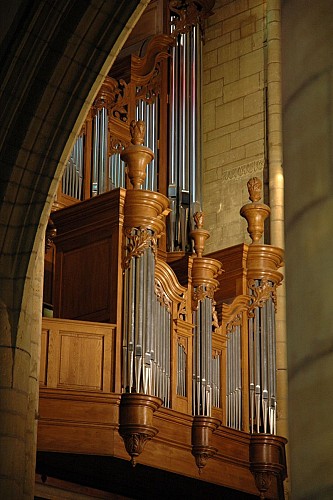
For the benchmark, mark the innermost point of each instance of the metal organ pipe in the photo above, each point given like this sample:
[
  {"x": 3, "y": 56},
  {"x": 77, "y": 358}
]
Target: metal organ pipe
[
  {"x": 100, "y": 164},
  {"x": 181, "y": 370},
  {"x": 202, "y": 358},
  {"x": 116, "y": 172},
  {"x": 185, "y": 136},
  {"x": 147, "y": 330},
  {"x": 73, "y": 176},
  {"x": 216, "y": 386},
  {"x": 148, "y": 111},
  {"x": 234, "y": 377},
  {"x": 262, "y": 364}
]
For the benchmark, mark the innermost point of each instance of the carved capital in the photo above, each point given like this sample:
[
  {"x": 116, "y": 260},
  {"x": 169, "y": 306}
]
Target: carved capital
[
  {"x": 137, "y": 242},
  {"x": 200, "y": 293},
  {"x": 261, "y": 293}
]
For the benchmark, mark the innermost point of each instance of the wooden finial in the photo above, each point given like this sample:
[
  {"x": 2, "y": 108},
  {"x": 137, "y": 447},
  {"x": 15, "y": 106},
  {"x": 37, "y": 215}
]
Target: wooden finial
[
  {"x": 255, "y": 213},
  {"x": 199, "y": 234},
  {"x": 137, "y": 130},
  {"x": 254, "y": 186},
  {"x": 137, "y": 156},
  {"x": 198, "y": 219}
]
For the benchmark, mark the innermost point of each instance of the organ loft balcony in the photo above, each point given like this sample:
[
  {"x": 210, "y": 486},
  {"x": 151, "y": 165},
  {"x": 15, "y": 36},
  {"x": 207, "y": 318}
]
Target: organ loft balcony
[{"x": 164, "y": 368}]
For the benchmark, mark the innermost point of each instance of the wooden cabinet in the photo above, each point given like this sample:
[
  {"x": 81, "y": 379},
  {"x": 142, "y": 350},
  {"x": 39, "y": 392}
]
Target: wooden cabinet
[{"x": 88, "y": 255}]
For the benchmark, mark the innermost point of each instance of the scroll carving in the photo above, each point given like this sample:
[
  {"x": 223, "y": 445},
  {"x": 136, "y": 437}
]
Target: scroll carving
[
  {"x": 144, "y": 68},
  {"x": 189, "y": 13},
  {"x": 115, "y": 145},
  {"x": 181, "y": 313},
  {"x": 236, "y": 321},
  {"x": 162, "y": 296},
  {"x": 149, "y": 91},
  {"x": 114, "y": 96},
  {"x": 232, "y": 313},
  {"x": 138, "y": 243}
]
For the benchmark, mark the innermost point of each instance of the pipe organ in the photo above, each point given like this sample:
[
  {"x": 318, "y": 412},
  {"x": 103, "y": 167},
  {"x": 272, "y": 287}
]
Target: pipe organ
[
  {"x": 179, "y": 348},
  {"x": 179, "y": 352}
]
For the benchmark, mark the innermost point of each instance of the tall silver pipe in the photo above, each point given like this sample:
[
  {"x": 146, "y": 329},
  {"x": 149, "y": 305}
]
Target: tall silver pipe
[
  {"x": 73, "y": 176},
  {"x": 202, "y": 358},
  {"x": 131, "y": 332},
  {"x": 116, "y": 172},
  {"x": 273, "y": 368},
  {"x": 264, "y": 381},
  {"x": 139, "y": 299},
  {"x": 125, "y": 327},
  {"x": 251, "y": 372},
  {"x": 262, "y": 365},
  {"x": 239, "y": 377},
  {"x": 100, "y": 174},
  {"x": 94, "y": 175},
  {"x": 185, "y": 141}
]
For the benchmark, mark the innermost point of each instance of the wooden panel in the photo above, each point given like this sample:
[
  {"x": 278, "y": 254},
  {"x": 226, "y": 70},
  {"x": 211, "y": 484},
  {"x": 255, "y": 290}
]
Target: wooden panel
[
  {"x": 232, "y": 281},
  {"x": 81, "y": 360},
  {"x": 88, "y": 275},
  {"x": 86, "y": 281},
  {"x": 77, "y": 355}
]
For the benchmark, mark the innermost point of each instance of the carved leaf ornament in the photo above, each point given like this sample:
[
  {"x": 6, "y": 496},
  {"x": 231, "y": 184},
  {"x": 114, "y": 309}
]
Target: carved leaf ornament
[
  {"x": 261, "y": 293},
  {"x": 138, "y": 242}
]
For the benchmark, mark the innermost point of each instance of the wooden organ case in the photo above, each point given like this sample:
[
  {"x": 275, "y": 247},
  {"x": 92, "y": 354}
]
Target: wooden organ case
[{"x": 153, "y": 351}]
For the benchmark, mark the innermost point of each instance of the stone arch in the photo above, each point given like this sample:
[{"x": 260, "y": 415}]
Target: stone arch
[{"x": 54, "y": 57}]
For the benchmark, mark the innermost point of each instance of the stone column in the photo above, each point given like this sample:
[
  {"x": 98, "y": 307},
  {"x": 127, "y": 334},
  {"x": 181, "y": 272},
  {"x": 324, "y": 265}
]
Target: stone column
[
  {"x": 19, "y": 371},
  {"x": 276, "y": 194},
  {"x": 307, "y": 64}
]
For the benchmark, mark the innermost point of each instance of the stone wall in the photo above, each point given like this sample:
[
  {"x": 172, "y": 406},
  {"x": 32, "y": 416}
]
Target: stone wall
[{"x": 233, "y": 115}]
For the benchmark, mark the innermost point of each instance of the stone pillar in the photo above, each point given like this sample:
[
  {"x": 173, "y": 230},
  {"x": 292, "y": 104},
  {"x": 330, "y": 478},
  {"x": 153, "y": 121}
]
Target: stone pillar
[
  {"x": 33, "y": 321},
  {"x": 276, "y": 196},
  {"x": 19, "y": 371},
  {"x": 307, "y": 65}
]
